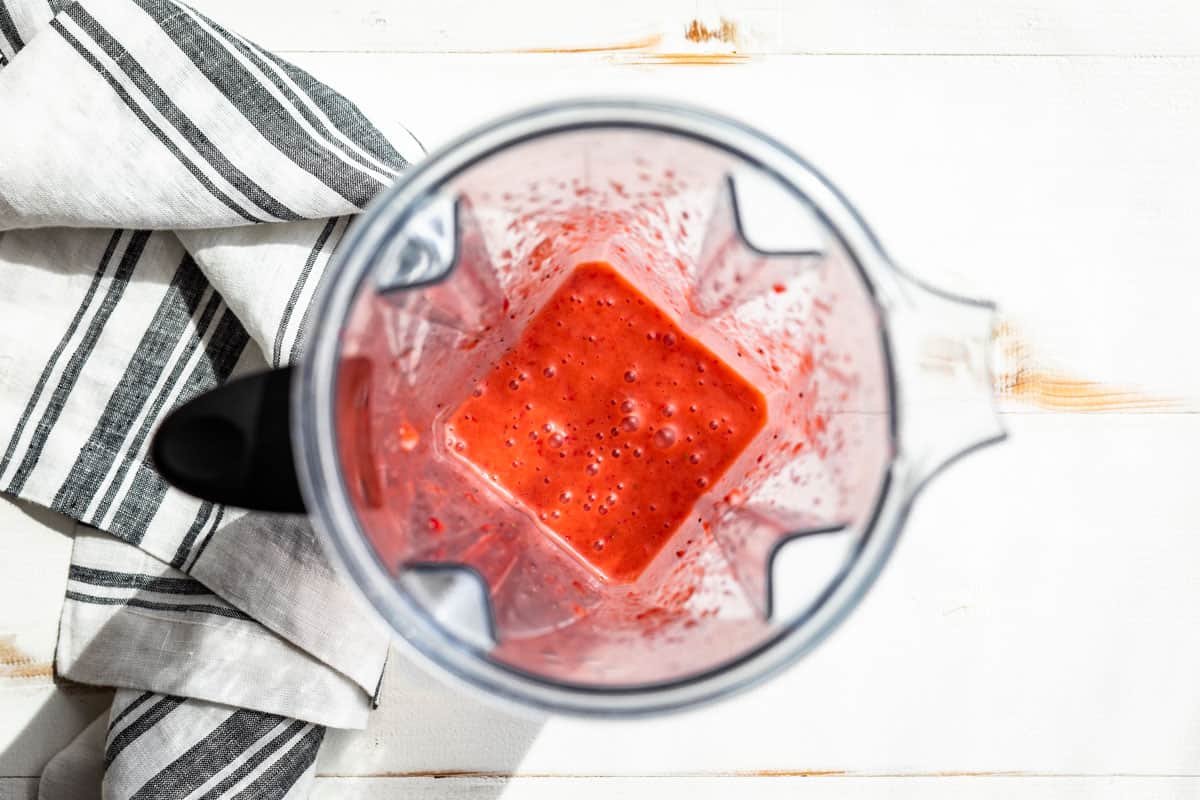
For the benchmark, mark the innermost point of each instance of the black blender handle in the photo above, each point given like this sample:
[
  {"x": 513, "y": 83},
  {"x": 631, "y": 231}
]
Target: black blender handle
[{"x": 232, "y": 445}]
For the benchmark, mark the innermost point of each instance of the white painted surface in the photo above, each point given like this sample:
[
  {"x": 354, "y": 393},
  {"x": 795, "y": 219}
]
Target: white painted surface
[
  {"x": 37, "y": 718},
  {"x": 816, "y": 788},
  {"x": 863, "y": 27},
  {"x": 1041, "y": 614}
]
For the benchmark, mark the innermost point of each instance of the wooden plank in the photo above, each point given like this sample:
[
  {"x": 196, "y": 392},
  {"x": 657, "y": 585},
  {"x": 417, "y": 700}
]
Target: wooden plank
[
  {"x": 1112, "y": 27},
  {"x": 816, "y": 787}
]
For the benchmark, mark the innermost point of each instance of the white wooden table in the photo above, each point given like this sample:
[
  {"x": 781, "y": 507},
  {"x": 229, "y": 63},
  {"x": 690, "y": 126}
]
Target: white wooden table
[{"x": 1038, "y": 630}]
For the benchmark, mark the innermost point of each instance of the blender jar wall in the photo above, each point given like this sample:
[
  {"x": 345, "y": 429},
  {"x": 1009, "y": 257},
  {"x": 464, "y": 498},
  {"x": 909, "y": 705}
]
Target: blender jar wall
[{"x": 656, "y": 192}]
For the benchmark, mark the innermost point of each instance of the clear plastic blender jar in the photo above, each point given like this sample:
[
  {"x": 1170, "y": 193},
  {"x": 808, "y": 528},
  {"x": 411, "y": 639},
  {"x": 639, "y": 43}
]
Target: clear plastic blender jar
[{"x": 718, "y": 397}]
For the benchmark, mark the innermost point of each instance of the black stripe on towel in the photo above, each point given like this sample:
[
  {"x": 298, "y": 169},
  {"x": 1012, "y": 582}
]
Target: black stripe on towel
[
  {"x": 302, "y": 331},
  {"x": 116, "y": 288},
  {"x": 344, "y": 115},
  {"x": 253, "y": 762},
  {"x": 176, "y": 311},
  {"x": 272, "y": 120},
  {"x": 145, "y": 722},
  {"x": 134, "y": 704},
  {"x": 137, "y": 602},
  {"x": 105, "y": 260},
  {"x": 221, "y": 353},
  {"x": 158, "y": 132},
  {"x": 179, "y": 120},
  {"x": 9, "y": 28},
  {"x": 279, "y": 778},
  {"x": 212, "y": 532},
  {"x": 185, "y": 546},
  {"x": 134, "y": 580},
  {"x": 134, "y": 447},
  {"x": 207, "y": 757},
  {"x": 322, "y": 238}
]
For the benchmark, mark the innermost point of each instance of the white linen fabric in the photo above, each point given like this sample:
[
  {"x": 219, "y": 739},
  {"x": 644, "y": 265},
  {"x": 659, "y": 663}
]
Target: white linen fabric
[
  {"x": 165, "y": 746},
  {"x": 170, "y": 198}
]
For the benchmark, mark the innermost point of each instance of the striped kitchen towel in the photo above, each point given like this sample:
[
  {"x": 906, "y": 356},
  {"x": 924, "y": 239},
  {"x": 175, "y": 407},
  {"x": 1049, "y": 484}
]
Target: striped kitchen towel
[{"x": 170, "y": 197}]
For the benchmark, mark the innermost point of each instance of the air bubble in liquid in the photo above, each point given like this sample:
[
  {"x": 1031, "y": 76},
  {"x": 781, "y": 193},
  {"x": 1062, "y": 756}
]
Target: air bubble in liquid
[{"x": 664, "y": 437}]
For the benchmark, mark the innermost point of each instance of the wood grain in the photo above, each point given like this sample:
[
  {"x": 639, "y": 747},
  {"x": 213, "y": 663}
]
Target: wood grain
[{"x": 16, "y": 664}]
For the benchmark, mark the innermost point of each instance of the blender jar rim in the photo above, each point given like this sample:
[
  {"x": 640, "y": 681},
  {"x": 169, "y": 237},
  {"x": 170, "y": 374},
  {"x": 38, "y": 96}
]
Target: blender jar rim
[{"x": 314, "y": 434}]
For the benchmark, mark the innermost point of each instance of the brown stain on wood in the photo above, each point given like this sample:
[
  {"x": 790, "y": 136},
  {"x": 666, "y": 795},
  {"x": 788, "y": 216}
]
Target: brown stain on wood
[
  {"x": 687, "y": 59},
  {"x": 794, "y": 773},
  {"x": 16, "y": 664},
  {"x": 643, "y": 51},
  {"x": 726, "y": 31},
  {"x": 1023, "y": 377},
  {"x": 644, "y": 43}
]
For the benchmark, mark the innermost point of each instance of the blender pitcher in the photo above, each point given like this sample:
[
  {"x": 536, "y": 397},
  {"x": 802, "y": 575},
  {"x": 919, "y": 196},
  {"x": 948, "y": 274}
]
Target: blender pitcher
[{"x": 608, "y": 407}]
